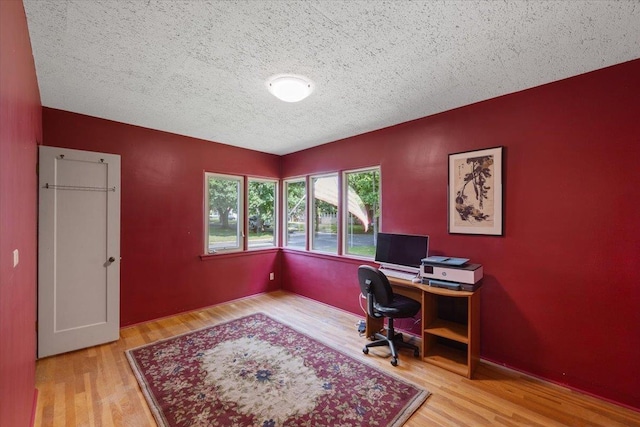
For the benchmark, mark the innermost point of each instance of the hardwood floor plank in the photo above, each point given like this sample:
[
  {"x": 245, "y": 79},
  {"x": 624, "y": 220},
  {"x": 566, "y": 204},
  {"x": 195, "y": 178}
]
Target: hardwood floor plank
[
  {"x": 60, "y": 408},
  {"x": 95, "y": 387}
]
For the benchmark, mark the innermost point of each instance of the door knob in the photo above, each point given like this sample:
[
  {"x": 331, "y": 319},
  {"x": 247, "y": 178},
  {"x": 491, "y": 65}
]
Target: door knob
[{"x": 111, "y": 259}]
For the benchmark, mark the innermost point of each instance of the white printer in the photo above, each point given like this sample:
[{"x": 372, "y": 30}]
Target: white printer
[{"x": 451, "y": 273}]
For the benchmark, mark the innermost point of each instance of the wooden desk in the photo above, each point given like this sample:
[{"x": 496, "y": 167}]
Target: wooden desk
[{"x": 450, "y": 325}]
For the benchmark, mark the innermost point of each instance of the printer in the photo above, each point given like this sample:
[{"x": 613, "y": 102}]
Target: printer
[{"x": 451, "y": 273}]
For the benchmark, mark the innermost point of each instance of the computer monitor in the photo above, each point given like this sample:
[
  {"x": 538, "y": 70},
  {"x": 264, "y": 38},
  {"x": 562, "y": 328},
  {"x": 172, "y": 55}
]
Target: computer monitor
[{"x": 401, "y": 251}]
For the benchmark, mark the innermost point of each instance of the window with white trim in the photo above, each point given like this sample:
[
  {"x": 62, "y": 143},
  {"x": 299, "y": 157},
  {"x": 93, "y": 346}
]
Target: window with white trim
[
  {"x": 295, "y": 221},
  {"x": 224, "y": 195},
  {"x": 361, "y": 199},
  {"x": 325, "y": 196},
  {"x": 261, "y": 220}
]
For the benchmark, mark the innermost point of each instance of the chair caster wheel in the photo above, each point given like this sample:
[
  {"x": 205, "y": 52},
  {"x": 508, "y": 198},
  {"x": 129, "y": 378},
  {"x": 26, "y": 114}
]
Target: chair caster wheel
[
  {"x": 365, "y": 350},
  {"x": 394, "y": 361}
]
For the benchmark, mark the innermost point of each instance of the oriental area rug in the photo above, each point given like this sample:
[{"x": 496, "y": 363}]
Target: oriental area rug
[{"x": 256, "y": 371}]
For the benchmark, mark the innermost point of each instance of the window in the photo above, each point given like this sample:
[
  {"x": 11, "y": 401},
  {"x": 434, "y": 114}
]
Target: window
[
  {"x": 324, "y": 213},
  {"x": 226, "y": 217},
  {"x": 362, "y": 217},
  {"x": 295, "y": 229},
  {"x": 223, "y": 212},
  {"x": 261, "y": 221}
]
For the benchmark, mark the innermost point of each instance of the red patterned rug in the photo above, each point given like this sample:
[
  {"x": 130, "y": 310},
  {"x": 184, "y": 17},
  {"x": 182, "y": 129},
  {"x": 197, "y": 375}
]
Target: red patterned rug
[{"x": 256, "y": 371}]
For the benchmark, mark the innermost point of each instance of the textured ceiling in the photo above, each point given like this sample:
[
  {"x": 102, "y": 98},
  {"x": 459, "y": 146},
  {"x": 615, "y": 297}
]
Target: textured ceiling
[{"x": 199, "y": 68}]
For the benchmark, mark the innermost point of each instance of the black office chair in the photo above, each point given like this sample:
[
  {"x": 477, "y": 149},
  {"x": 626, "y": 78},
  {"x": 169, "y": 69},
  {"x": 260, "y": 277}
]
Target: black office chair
[{"x": 382, "y": 302}]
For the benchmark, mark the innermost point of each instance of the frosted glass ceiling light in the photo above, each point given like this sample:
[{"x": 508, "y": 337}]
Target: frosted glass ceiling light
[{"x": 290, "y": 88}]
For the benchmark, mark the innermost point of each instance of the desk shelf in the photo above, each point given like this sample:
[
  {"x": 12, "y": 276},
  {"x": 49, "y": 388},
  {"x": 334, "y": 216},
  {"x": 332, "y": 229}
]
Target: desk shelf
[
  {"x": 451, "y": 336},
  {"x": 451, "y": 330},
  {"x": 449, "y": 358}
]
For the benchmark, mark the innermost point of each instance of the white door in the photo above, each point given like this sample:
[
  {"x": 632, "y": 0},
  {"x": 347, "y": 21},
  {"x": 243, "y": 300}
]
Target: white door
[{"x": 78, "y": 249}]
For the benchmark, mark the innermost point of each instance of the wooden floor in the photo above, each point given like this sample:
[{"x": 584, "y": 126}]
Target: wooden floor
[{"x": 96, "y": 387}]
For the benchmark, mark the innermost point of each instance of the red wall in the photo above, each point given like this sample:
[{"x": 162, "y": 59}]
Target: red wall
[
  {"x": 20, "y": 132},
  {"x": 162, "y": 215},
  {"x": 561, "y": 293}
]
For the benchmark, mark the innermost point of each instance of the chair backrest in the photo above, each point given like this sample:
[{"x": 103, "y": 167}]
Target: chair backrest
[{"x": 373, "y": 280}]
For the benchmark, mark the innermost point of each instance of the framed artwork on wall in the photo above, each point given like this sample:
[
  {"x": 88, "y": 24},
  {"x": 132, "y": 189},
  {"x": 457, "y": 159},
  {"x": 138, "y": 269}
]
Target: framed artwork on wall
[{"x": 475, "y": 192}]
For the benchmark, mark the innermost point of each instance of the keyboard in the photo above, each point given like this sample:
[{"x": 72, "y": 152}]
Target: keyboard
[{"x": 398, "y": 274}]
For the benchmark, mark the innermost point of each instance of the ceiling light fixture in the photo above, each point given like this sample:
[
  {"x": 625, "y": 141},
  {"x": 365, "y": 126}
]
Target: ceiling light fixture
[{"x": 290, "y": 88}]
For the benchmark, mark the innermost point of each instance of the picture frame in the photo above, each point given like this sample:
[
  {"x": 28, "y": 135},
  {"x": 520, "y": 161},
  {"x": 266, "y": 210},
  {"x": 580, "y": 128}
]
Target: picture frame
[{"x": 475, "y": 192}]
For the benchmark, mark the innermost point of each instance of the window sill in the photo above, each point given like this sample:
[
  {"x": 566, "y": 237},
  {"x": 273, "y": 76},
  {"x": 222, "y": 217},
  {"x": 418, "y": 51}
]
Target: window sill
[
  {"x": 346, "y": 258},
  {"x": 211, "y": 257}
]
